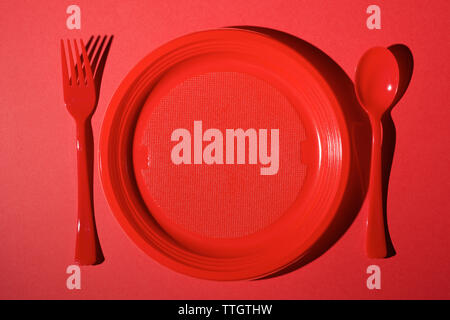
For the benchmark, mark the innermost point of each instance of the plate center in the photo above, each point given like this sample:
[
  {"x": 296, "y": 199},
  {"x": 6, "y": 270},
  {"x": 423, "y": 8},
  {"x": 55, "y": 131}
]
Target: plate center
[{"x": 219, "y": 154}]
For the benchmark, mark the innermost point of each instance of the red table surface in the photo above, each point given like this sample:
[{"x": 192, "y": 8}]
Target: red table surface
[{"x": 38, "y": 159}]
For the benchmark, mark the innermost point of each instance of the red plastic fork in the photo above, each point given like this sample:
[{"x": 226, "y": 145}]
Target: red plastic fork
[{"x": 80, "y": 98}]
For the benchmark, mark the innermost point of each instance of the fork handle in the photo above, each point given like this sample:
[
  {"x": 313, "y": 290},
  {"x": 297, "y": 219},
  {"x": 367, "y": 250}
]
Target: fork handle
[{"x": 87, "y": 249}]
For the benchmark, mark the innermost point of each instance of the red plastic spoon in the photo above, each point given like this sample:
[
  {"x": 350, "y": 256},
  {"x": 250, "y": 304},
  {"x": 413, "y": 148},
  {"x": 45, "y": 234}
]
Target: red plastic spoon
[{"x": 376, "y": 83}]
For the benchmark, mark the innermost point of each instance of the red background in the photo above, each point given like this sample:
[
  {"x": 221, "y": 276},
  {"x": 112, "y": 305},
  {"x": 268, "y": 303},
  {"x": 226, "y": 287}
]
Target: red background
[{"x": 38, "y": 160}]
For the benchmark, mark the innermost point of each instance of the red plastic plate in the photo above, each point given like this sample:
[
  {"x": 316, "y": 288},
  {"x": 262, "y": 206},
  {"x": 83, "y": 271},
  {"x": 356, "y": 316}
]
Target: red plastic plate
[{"x": 187, "y": 191}]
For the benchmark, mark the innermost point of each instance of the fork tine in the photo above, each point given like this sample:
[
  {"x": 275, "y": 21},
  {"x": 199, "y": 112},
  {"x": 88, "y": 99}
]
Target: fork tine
[
  {"x": 89, "y": 77},
  {"x": 72, "y": 67},
  {"x": 78, "y": 66},
  {"x": 88, "y": 48},
  {"x": 65, "y": 71}
]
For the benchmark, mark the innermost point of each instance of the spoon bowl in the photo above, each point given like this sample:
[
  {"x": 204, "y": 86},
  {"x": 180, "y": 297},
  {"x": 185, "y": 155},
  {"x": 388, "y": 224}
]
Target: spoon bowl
[{"x": 377, "y": 80}]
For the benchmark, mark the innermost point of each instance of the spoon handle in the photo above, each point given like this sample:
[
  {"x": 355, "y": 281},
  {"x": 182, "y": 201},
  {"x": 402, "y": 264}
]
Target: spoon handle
[{"x": 376, "y": 232}]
